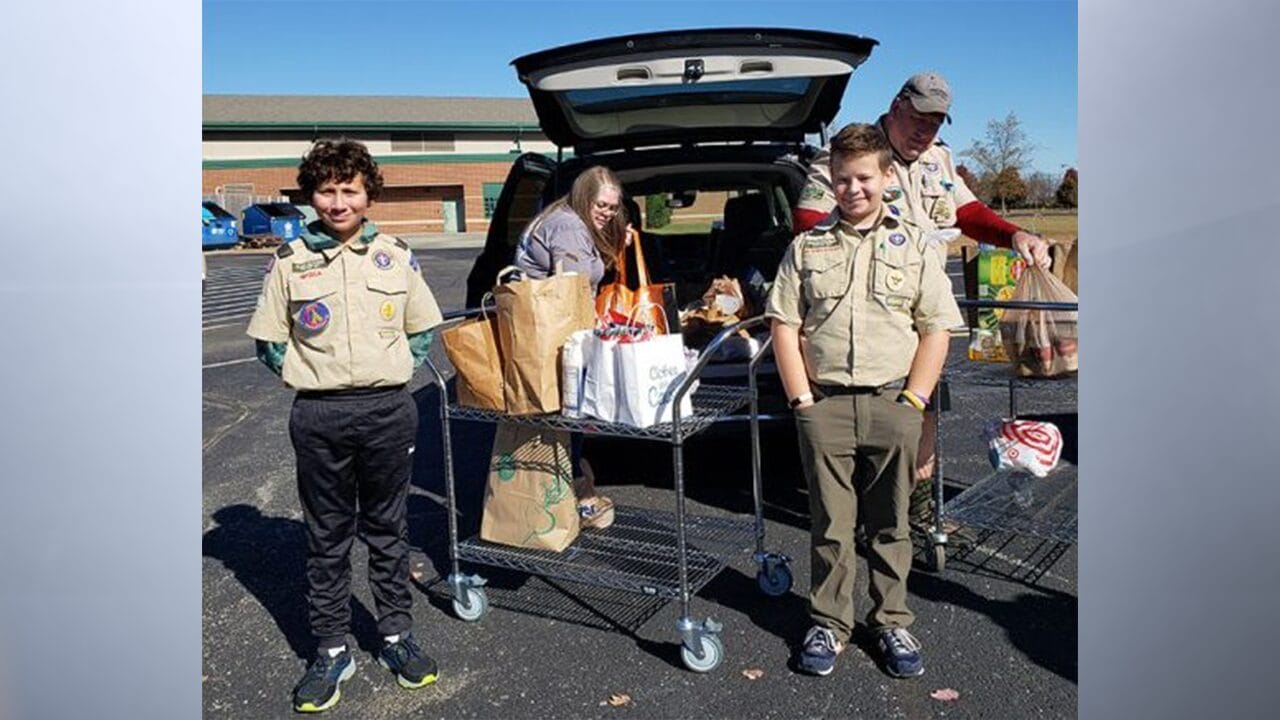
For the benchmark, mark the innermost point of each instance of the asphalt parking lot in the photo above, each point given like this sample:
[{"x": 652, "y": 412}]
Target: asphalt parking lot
[{"x": 998, "y": 625}]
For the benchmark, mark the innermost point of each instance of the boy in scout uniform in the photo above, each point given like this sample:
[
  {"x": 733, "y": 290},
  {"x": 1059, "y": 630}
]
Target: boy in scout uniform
[
  {"x": 861, "y": 312},
  {"x": 343, "y": 319},
  {"x": 928, "y": 190}
]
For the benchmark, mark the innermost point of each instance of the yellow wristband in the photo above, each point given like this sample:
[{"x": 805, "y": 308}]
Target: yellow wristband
[{"x": 912, "y": 399}]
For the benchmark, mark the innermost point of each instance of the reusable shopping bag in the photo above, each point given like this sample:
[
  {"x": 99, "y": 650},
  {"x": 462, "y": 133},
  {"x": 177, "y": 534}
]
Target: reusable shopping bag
[
  {"x": 648, "y": 374},
  {"x": 529, "y": 500},
  {"x": 1023, "y": 445},
  {"x": 472, "y": 347},
  {"x": 618, "y": 300},
  {"x": 1041, "y": 343},
  {"x": 535, "y": 317}
]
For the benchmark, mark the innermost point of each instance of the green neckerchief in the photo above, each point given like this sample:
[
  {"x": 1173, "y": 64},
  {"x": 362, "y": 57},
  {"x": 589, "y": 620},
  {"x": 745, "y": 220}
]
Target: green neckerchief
[{"x": 317, "y": 237}]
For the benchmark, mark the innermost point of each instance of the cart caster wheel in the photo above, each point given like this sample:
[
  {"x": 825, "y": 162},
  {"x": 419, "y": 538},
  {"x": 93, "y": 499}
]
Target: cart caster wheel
[
  {"x": 476, "y": 605},
  {"x": 937, "y": 558},
  {"x": 712, "y": 654},
  {"x": 774, "y": 580}
]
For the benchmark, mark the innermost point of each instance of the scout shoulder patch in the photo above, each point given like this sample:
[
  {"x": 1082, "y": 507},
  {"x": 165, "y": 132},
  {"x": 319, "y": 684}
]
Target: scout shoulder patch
[
  {"x": 819, "y": 240},
  {"x": 306, "y": 265},
  {"x": 812, "y": 192},
  {"x": 284, "y": 251}
]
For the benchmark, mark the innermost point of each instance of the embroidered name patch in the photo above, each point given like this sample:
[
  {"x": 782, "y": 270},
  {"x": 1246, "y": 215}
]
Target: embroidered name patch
[
  {"x": 382, "y": 260},
  {"x": 308, "y": 265},
  {"x": 314, "y": 316}
]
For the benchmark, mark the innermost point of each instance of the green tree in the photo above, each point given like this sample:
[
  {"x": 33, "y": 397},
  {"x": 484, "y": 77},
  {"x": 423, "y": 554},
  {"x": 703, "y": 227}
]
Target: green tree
[
  {"x": 656, "y": 212},
  {"x": 1009, "y": 187},
  {"x": 1068, "y": 188},
  {"x": 1006, "y": 148}
]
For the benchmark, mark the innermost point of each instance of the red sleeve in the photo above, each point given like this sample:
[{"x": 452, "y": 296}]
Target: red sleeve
[
  {"x": 804, "y": 219},
  {"x": 983, "y": 224}
]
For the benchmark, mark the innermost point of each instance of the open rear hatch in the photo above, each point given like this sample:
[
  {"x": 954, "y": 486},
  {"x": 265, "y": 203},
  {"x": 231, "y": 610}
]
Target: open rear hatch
[{"x": 691, "y": 86}]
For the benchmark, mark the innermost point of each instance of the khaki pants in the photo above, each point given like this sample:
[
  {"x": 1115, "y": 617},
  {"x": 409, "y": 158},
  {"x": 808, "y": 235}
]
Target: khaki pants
[{"x": 859, "y": 448}]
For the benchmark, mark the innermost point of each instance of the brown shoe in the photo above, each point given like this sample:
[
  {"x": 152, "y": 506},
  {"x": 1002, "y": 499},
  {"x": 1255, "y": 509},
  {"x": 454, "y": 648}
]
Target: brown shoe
[{"x": 595, "y": 512}]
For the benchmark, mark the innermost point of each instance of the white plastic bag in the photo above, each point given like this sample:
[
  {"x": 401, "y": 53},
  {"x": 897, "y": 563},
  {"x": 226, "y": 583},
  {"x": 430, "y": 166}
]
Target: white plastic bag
[
  {"x": 599, "y": 381},
  {"x": 1023, "y": 445},
  {"x": 573, "y": 367},
  {"x": 648, "y": 374}
]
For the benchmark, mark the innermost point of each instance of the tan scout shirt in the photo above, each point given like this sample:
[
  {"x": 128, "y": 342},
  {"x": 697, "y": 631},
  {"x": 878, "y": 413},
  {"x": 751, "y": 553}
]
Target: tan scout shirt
[
  {"x": 345, "y": 313},
  {"x": 929, "y": 191},
  {"x": 860, "y": 299}
]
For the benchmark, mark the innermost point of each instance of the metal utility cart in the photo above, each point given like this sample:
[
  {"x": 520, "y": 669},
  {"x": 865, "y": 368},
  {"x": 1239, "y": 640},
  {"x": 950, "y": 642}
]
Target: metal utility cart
[
  {"x": 1007, "y": 501},
  {"x": 635, "y": 554}
]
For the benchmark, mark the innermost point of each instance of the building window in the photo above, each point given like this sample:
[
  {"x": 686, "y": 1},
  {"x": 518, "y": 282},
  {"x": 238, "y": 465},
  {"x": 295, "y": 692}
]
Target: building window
[
  {"x": 491, "y": 193},
  {"x": 421, "y": 142}
]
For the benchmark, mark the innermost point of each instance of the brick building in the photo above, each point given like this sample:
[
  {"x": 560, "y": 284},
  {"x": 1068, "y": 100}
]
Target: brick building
[{"x": 443, "y": 159}]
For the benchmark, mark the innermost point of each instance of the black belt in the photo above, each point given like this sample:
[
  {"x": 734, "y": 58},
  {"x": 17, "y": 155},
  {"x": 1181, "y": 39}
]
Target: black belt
[
  {"x": 350, "y": 392},
  {"x": 830, "y": 390}
]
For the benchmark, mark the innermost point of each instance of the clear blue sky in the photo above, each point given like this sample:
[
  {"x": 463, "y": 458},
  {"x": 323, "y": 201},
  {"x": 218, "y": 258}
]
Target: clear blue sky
[{"x": 1000, "y": 57}]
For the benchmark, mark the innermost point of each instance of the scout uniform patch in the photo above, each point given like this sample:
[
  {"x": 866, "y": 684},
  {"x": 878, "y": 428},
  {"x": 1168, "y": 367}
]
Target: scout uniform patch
[
  {"x": 387, "y": 311},
  {"x": 382, "y": 260},
  {"x": 314, "y": 316}
]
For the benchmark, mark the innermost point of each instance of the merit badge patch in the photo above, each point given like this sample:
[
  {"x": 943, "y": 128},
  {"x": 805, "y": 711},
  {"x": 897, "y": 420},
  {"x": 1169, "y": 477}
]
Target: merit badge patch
[
  {"x": 314, "y": 316},
  {"x": 894, "y": 211},
  {"x": 388, "y": 310},
  {"x": 897, "y": 239},
  {"x": 892, "y": 193},
  {"x": 382, "y": 260}
]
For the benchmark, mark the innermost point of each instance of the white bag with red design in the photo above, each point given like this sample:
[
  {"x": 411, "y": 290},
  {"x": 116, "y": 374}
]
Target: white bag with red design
[{"x": 1023, "y": 445}]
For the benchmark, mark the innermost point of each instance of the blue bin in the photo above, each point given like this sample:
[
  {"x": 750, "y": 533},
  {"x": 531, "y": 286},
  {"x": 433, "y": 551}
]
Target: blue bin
[
  {"x": 280, "y": 220},
  {"x": 218, "y": 227}
]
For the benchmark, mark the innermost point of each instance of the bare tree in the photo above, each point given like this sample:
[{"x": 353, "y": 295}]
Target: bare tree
[
  {"x": 1006, "y": 148},
  {"x": 1041, "y": 189}
]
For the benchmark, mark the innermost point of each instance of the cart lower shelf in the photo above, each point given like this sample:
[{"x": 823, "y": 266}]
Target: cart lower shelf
[
  {"x": 636, "y": 554},
  {"x": 1021, "y": 503}
]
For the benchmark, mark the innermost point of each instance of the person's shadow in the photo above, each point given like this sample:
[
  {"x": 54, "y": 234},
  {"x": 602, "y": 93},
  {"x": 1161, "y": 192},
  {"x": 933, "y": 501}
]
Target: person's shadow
[{"x": 267, "y": 556}]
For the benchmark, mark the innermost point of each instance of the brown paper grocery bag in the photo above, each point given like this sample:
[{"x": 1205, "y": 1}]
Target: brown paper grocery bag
[
  {"x": 472, "y": 347},
  {"x": 535, "y": 317},
  {"x": 529, "y": 500}
]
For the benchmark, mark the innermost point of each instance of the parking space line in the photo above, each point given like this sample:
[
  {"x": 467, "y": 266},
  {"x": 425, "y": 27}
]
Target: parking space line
[{"x": 228, "y": 362}]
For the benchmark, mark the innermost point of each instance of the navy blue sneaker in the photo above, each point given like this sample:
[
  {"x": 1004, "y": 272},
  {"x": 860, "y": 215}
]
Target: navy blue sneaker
[
  {"x": 319, "y": 689},
  {"x": 413, "y": 668},
  {"x": 901, "y": 652},
  {"x": 818, "y": 655}
]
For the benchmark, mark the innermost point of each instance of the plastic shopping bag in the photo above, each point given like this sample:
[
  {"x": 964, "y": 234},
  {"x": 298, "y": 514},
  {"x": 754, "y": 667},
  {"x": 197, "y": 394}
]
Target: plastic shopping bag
[
  {"x": 1042, "y": 343},
  {"x": 648, "y": 374},
  {"x": 1023, "y": 445},
  {"x": 573, "y": 368},
  {"x": 599, "y": 378}
]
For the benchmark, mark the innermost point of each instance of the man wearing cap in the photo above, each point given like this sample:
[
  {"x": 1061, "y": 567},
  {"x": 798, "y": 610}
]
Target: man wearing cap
[
  {"x": 928, "y": 186},
  {"x": 932, "y": 194}
]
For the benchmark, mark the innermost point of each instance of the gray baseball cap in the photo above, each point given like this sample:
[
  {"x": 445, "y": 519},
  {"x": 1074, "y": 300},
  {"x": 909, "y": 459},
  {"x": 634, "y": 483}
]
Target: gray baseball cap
[{"x": 929, "y": 93}]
